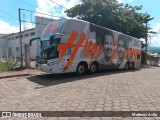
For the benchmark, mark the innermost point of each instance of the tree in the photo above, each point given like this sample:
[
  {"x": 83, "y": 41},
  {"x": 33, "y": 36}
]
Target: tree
[{"x": 113, "y": 15}]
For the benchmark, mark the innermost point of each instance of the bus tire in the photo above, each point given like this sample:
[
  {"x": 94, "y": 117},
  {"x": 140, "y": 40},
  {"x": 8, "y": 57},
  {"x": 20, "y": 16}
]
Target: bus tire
[
  {"x": 93, "y": 68},
  {"x": 81, "y": 69},
  {"x": 131, "y": 65}
]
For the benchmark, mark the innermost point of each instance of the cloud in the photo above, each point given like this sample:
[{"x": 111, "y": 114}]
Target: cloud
[
  {"x": 157, "y": 28},
  {"x": 48, "y": 7},
  {"x": 125, "y": 1},
  {"x": 51, "y": 8},
  {"x": 155, "y": 39},
  {"x": 6, "y": 28},
  {"x": 120, "y": 1},
  {"x": 27, "y": 25}
]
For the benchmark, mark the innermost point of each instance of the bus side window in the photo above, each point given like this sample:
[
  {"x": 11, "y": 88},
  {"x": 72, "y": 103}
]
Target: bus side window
[{"x": 138, "y": 56}]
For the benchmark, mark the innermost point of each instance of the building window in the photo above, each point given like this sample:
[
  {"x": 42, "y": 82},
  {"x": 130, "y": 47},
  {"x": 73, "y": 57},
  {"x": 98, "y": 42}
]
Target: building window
[
  {"x": 17, "y": 49},
  {"x": 9, "y": 51},
  {"x": 8, "y": 38},
  {"x": 12, "y": 38},
  {"x": 26, "y": 35},
  {"x": 16, "y": 37},
  {"x": 21, "y": 36},
  {"x": 33, "y": 33}
]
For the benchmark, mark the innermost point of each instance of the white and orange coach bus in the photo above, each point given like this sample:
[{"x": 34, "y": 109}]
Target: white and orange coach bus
[{"x": 72, "y": 45}]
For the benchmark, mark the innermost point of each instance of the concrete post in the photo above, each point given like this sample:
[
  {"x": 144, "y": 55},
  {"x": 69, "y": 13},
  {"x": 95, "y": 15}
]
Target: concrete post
[
  {"x": 27, "y": 56},
  {"x": 1, "y": 54},
  {"x": 7, "y": 53},
  {"x": 15, "y": 56}
]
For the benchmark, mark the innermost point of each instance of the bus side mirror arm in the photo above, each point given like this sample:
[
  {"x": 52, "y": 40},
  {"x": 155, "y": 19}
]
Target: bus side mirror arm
[
  {"x": 51, "y": 39},
  {"x": 30, "y": 42}
]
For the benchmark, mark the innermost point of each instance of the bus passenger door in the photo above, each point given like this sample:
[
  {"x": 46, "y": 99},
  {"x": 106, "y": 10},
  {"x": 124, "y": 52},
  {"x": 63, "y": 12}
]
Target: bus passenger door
[{"x": 64, "y": 60}]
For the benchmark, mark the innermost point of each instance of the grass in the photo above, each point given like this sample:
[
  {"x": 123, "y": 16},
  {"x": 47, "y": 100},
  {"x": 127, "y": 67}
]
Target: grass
[{"x": 8, "y": 65}]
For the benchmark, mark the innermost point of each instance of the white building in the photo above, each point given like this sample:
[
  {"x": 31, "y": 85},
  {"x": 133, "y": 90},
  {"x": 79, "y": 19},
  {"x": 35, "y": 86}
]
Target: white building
[{"x": 10, "y": 44}]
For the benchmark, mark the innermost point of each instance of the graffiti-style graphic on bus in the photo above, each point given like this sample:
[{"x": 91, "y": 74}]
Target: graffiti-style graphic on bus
[
  {"x": 89, "y": 48},
  {"x": 69, "y": 45}
]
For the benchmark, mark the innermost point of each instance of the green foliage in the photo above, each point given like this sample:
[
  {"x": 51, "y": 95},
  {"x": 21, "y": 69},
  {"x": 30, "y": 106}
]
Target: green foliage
[
  {"x": 111, "y": 14},
  {"x": 7, "y": 65}
]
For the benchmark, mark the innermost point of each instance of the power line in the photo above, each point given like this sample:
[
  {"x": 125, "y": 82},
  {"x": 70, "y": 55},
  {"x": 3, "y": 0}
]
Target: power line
[
  {"x": 8, "y": 14},
  {"x": 27, "y": 3},
  {"x": 8, "y": 18},
  {"x": 42, "y": 13},
  {"x": 41, "y": 8},
  {"x": 14, "y": 18},
  {"x": 32, "y": 5},
  {"x": 25, "y": 20},
  {"x": 51, "y": 14},
  {"x": 58, "y": 4}
]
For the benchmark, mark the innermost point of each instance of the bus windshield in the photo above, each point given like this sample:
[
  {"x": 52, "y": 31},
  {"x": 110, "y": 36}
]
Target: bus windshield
[{"x": 47, "y": 51}]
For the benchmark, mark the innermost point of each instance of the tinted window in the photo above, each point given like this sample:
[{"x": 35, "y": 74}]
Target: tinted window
[{"x": 33, "y": 33}]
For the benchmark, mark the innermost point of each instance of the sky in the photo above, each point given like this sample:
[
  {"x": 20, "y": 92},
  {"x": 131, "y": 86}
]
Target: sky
[{"x": 9, "y": 13}]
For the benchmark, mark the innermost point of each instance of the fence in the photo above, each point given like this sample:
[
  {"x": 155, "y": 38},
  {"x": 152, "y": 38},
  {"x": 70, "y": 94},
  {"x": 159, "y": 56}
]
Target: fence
[
  {"x": 9, "y": 52},
  {"x": 38, "y": 21},
  {"x": 13, "y": 53},
  {"x": 153, "y": 61}
]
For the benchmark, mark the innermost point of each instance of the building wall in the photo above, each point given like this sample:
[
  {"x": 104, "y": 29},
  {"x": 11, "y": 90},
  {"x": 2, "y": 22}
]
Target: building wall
[
  {"x": 41, "y": 24},
  {"x": 3, "y": 46},
  {"x": 13, "y": 43},
  {"x": 10, "y": 44}
]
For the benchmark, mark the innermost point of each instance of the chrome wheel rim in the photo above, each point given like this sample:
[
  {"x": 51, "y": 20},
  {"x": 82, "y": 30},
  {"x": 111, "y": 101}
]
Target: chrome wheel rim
[
  {"x": 93, "y": 68},
  {"x": 80, "y": 69}
]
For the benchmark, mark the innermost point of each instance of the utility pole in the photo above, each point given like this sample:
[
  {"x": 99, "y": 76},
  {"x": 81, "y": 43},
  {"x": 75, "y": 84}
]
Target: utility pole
[
  {"x": 150, "y": 48},
  {"x": 146, "y": 42},
  {"x": 150, "y": 36},
  {"x": 20, "y": 37}
]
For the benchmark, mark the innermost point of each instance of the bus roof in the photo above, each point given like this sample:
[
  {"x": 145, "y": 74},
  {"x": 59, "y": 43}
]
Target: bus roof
[{"x": 68, "y": 19}]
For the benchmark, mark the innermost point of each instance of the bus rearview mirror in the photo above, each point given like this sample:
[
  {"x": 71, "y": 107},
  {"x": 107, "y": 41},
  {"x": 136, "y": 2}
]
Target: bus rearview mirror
[{"x": 30, "y": 42}]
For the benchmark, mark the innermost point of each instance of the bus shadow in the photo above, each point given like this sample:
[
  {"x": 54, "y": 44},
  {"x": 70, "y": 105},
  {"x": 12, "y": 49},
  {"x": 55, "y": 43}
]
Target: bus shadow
[{"x": 47, "y": 80}]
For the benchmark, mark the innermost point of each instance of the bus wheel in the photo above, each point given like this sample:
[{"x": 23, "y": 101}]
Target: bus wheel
[
  {"x": 126, "y": 66},
  {"x": 93, "y": 68},
  {"x": 131, "y": 65},
  {"x": 81, "y": 69}
]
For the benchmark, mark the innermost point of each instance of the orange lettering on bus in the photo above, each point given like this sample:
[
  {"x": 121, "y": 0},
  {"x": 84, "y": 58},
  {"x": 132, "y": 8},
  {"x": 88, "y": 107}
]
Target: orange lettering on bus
[
  {"x": 69, "y": 44},
  {"x": 89, "y": 47},
  {"x": 76, "y": 47}
]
